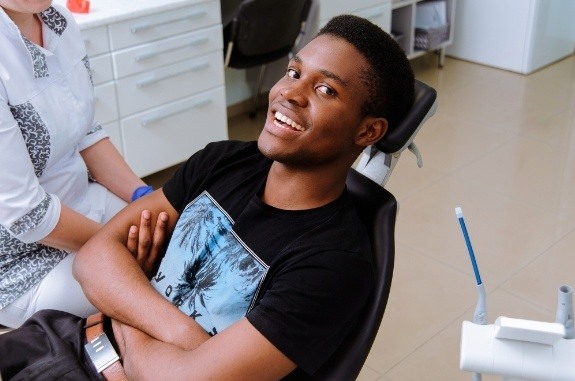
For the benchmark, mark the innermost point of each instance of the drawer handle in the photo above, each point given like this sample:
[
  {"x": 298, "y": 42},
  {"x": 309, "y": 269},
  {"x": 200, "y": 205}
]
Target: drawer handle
[
  {"x": 159, "y": 52},
  {"x": 154, "y": 80},
  {"x": 158, "y": 118},
  {"x": 191, "y": 16}
]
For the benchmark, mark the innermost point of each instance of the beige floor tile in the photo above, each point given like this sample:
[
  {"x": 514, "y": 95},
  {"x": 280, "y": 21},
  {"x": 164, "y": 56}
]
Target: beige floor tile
[
  {"x": 558, "y": 130},
  {"x": 449, "y": 142},
  {"x": 425, "y": 297},
  {"x": 510, "y": 101},
  {"x": 505, "y": 234},
  {"x": 530, "y": 171},
  {"x": 538, "y": 282},
  {"x": 368, "y": 374}
]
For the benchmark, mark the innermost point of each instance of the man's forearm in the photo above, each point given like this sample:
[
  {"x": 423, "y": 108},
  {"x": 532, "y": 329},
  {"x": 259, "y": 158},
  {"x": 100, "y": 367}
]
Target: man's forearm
[
  {"x": 240, "y": 353},
  {"x": 146, "y": 358}
]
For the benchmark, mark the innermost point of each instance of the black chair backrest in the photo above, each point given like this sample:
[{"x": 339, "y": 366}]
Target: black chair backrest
[
  {"x": 264, "y": 30},
  {"x": 377, "y": 209},
  {"x": 398, "y": 137}
]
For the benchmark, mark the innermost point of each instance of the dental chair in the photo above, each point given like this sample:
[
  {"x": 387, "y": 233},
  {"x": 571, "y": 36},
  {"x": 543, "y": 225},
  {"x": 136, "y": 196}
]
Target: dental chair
[{"x": 377, "y": 209}]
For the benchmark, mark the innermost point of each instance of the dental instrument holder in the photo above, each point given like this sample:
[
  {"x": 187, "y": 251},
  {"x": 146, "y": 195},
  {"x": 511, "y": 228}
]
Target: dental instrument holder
[
  {"x": 480, "y": 317},
  {"x": 565, "y": 310},
  {"x": 519, "y": 349}
]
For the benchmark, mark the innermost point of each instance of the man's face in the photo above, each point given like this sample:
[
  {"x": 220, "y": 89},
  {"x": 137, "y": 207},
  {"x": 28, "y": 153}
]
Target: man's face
[{"x": 314, "y": 109}]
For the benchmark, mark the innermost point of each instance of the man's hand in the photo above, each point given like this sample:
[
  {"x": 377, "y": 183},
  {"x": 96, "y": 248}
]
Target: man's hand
[{"x": 146, "y": 246}]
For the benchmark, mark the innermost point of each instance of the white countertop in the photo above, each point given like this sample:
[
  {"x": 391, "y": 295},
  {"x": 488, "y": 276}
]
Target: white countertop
[{"x": 104, "y": 12}]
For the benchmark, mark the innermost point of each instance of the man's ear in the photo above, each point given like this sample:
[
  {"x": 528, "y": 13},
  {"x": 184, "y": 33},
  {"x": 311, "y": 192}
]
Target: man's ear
[{"x": 372, "y": 130}]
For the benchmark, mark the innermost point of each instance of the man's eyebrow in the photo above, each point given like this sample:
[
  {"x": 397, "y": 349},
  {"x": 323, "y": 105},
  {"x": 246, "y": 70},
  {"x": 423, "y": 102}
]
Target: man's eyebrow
[{"x": 326, "y": 73}]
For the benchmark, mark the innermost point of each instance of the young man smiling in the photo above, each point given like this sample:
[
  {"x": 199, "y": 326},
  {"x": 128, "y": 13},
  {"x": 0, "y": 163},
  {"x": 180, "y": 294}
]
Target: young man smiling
[{"x": 268, "y": 264}]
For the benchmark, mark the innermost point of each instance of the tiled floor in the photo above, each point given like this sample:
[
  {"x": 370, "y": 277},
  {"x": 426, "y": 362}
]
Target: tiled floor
[{"x": 502, "y": 147}]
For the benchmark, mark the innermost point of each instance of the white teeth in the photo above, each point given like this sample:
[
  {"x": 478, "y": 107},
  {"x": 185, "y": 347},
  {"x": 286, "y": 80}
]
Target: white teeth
[{"x": 288, "y": 121}]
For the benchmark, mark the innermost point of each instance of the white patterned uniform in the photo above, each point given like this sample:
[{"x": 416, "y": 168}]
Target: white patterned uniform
[{"x": 46, "y": 119}]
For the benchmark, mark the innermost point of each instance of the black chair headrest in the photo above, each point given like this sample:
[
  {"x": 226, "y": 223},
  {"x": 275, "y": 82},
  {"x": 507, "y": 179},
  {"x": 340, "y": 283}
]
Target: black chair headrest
[{"x": 399, "y": 136}]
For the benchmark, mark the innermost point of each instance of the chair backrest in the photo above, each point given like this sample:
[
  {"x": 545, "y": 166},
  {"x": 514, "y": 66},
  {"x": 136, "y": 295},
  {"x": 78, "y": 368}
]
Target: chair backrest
[
  {"x": 263, "y": 31},
  {"x": 377, "y": 209}
]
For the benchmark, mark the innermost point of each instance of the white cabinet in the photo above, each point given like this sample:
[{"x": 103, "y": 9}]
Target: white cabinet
[
  {"x": 517, "y": 35},
  {"x": 403, "y": 26},
  {"x": 159, "y": 83}
]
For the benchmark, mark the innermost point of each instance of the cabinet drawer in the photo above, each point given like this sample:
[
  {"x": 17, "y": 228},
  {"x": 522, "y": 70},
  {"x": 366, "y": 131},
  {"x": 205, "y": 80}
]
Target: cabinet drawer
[
  {"x": 162, "y": 85},
  {"x": 167, "y": 51},
  {"x": 105, "y": 103},
  {"x": 331, "y": 8},
  {"x": 101, "y": 68},
  {"x": 150, "y": 28},
  {"x": 171, "y": 133},
  {"x": 113, "y": 130},
  {"x": 96, "y": 41}
]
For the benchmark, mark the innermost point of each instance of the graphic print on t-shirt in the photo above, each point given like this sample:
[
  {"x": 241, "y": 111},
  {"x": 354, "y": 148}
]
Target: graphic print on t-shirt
[{"x": 208, "y": 272}]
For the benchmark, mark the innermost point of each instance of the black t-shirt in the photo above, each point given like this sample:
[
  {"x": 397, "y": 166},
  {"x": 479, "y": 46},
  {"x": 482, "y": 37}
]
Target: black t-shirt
[{"x": 300, "y": 276}]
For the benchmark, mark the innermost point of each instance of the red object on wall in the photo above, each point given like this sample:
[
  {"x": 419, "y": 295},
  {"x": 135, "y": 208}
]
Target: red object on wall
[{"x": 78, "y": 6}]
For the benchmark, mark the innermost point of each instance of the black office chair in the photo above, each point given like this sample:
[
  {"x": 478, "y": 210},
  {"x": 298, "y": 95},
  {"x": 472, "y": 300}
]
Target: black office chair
[
  {"x": 377, "y": 209},
  {"x": 261, "y": 32}
]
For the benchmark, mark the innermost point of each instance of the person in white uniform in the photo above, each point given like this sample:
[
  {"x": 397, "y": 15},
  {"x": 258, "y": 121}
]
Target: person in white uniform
[{"x": 61, "y": 177}]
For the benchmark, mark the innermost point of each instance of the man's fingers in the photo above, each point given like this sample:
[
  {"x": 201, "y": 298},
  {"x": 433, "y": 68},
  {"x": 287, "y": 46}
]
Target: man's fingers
[
  {"x": 145, "y": 234},
  {"x": 160, "y": 231},
  {"x": 158, "y": 240},
  {"x": 132, "y": 243},
  {"x": 145, "y": 244}
]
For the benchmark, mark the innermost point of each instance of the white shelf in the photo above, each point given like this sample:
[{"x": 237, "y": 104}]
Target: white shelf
[
  {"x": 392, "y": 16},
  {"x": 403, "y": 21}
]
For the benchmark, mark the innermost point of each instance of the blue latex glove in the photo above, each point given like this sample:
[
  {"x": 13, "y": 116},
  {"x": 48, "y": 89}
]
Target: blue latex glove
[{"x": 141, "y": 191}]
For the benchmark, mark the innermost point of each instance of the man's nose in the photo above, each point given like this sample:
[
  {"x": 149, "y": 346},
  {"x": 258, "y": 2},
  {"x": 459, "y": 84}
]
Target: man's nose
[{"x": 295, "y": 93}]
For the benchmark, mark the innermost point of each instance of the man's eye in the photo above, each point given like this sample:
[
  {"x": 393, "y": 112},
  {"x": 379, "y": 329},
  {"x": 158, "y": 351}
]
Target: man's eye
[
  {"x": 326, "y": 90},
  {"x": 292, "y": 73}
]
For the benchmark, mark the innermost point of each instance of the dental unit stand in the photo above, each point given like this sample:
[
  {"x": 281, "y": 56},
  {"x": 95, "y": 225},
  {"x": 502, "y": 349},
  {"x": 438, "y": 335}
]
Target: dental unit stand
[{"x": 518, "y": 349}]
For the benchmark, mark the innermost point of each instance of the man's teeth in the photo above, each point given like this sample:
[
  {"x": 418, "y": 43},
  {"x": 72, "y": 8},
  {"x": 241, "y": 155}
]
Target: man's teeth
[{"x": 284, "y": 119}]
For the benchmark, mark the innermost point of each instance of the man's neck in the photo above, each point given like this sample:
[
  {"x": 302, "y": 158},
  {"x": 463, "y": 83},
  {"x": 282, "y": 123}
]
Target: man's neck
[{"x": 299, "y": 190}]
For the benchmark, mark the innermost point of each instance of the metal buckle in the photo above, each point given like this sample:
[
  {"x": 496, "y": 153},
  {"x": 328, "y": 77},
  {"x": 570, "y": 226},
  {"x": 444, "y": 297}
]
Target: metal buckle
[{"x": 101, "y": 352}]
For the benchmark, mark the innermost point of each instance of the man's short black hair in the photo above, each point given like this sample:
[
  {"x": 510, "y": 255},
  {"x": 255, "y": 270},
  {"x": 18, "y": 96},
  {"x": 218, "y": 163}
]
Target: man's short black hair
[{"x": 390, "y": 81}]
